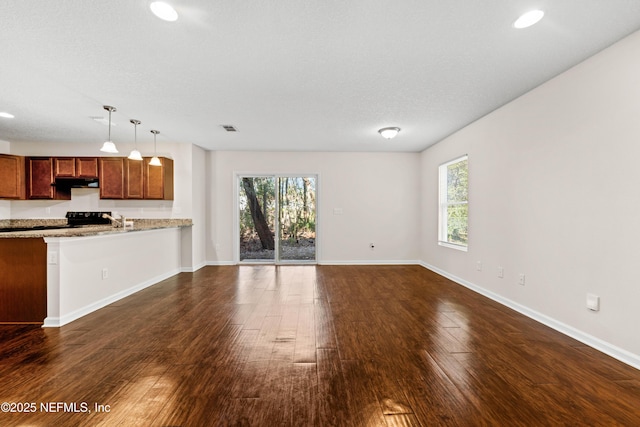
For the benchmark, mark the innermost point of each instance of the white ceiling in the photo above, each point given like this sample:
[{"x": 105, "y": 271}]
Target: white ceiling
[{"x": 289, "y": 74}]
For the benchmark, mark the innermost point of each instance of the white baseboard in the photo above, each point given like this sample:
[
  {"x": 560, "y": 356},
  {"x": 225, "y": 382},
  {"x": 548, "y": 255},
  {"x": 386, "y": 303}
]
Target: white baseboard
[
  {"x": 371, "y": 262},
  {"x": 618, "y": 353},
  {"x": 214, "y": 263},
  {"x": 336, "y": 262},
  {"x": 54, "y": 322},
  {"x": 194, "y": 268}
]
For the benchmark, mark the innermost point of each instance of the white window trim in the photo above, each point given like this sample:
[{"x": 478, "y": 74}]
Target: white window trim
[{"x": 442, "y": 205}]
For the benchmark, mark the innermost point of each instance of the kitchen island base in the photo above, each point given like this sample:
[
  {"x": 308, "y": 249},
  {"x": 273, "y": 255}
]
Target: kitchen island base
[
  {"x": 95, "y": 271},
  {"x": 23, "y": 281}
]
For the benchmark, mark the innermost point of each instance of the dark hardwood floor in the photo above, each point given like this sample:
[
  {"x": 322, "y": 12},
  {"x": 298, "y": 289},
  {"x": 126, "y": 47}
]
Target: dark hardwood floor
[{"x": 309, "y": 346}]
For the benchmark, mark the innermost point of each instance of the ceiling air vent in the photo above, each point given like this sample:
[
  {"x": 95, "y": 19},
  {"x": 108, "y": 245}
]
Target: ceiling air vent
[{"x": 229, "y": 128}]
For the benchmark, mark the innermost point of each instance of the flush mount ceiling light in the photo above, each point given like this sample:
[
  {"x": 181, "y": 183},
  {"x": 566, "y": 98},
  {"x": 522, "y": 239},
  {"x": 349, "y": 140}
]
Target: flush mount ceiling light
[
  {"x": 6, "y": 115},
  {"x": 135, "y": 154},
  {"x": 155, "y": 161},
  {"x": 164, "y": 11},
  {"x": 390, "y": 132},
  {"x": 109, "y": 146},
  {"x": 528, "y": 19}
]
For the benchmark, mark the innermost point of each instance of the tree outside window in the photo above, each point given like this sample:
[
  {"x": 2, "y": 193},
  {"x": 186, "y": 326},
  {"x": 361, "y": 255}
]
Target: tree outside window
[{"x": 454, "y": 205}]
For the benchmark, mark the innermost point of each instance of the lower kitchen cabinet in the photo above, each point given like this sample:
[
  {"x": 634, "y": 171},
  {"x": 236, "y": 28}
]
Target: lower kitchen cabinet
[{"x": 23, "y": 280}]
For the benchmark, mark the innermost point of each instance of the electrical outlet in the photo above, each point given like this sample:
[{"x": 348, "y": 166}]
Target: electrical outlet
[
  {"x": 105, "y": 273},
  {"x": 479, "y": 265},
  {"x": 53, "y": 258},
  {"x": 521, "y": 279},
  {"x": 500, "y": 272},
  {"x": 593, "y": 302}
]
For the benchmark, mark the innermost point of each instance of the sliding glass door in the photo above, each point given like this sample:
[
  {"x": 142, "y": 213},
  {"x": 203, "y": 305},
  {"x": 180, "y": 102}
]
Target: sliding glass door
[{"x": 277, "y": 218}]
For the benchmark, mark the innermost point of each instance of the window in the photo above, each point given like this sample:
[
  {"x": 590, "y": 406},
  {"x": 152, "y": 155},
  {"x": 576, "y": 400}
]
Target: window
[{"x": 454, "y": 206}]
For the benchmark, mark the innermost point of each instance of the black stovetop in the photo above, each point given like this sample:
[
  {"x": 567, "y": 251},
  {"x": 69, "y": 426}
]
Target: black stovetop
[{"x": 74, "y": 220}]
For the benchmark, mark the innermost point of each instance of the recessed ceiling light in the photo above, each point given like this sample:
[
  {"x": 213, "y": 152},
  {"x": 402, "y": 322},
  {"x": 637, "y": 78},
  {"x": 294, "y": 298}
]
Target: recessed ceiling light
[
  {"x": 6, "y": 115},
  {"x": 164, "y": 11},
  {"x": 528, "y": 19}
]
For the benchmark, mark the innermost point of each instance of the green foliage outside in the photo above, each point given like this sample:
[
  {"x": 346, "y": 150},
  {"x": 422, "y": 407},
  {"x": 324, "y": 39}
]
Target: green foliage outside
[
  {"x": 265, "y": 190},
  {"x": 297, "y": 199},
  {"x": 457, "y": 197}
]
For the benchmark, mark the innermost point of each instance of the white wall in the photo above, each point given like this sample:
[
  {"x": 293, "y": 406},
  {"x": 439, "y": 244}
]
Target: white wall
[
  {"x": 194, "y": 237},
  {"x": 75, "y": 285},
  {"x": 378, "y": 193},
  {"x": 553, "y": 194}
]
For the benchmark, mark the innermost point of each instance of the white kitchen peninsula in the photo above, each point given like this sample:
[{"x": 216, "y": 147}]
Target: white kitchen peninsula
[{"x": 90, "y": 268}]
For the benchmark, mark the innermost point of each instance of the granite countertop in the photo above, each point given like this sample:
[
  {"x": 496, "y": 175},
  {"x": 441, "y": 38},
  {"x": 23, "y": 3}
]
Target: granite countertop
[{"x": 90, "y": 230}]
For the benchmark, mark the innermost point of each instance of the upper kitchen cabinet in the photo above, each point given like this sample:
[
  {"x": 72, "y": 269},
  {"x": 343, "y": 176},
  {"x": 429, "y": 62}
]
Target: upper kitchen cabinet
[
  {"x": 158, "y": 180},
  {"x": 86, "y": 167},
  {"x": 53, "y": 177},
  {"x": 12, "y": 178},
  {"x": 133, "y": 179},
  {"x": 111, "y": 177},
  {"x": 75, "y": 167},
  {"x": 64, "y": 167},
  {"x": 122, "y": 178},
  {"x": 41, "y": 181}
]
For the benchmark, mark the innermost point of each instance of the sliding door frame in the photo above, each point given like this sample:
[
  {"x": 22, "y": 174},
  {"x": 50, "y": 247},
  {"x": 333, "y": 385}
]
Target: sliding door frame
[{"x": 236, "y": 218}]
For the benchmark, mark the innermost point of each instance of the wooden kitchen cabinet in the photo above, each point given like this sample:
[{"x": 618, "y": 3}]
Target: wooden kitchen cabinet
[
  {"x": 23, "y": 280},
  {"x": 64, "y": 167},
  {"x": 121, "y": 178},
  {"x": 133, "y": 179},
  {"x": 158, "y": 180},
  {"x": 12, "y": 178},
  {"x": 75, "y": 167},
  {"x": 111, "y": 177},
  {"x": 40, "y": 180},
  {"x": 86, "y": 167}
]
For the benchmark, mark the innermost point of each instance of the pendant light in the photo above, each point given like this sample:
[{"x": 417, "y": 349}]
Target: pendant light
[
  {"x": 135, "y": 154},
  {"x": 109, "y": 146},
  {"x": 155, "y": 161}
]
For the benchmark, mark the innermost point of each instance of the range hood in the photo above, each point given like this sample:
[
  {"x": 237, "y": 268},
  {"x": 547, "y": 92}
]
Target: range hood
[{"x": 77, "y": 182}]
